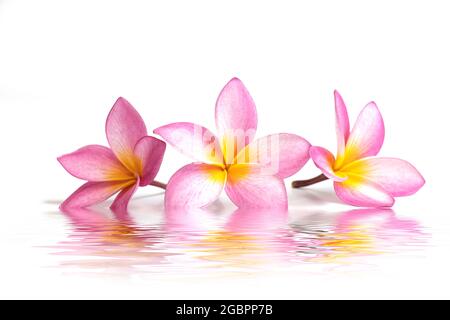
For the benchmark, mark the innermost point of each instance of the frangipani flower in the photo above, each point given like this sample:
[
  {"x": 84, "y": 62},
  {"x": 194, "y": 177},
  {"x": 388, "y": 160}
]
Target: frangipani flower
[
  {"x": 251, "y": 172},
  {"x": 133, "y": 160},
  {"x": 360, "y": 179}
]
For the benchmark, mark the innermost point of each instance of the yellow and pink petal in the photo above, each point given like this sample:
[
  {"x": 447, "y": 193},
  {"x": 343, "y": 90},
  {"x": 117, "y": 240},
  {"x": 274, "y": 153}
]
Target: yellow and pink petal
[
  {"x": 342, "y": 124},
  {"x": 124, "y": 128},
  {"x": 396, "y": 176},
  {"x": 324, "y": 160},
  {"x": 195, "y": 185},
  {"x": 249, "y": 186},
  {"x": 361, "y": 192},
  {"x": 235, "y": 116},
  {"x": 285, "y": 154},
  {"x": 121, "y": 201},
  {"x": 92, "y": 193},
  {"x": 95, "y": 163},
  {"x": 149, "y": 152},
  {"x": 192, "y": 140},
  {"x": 366, "y": 137}
]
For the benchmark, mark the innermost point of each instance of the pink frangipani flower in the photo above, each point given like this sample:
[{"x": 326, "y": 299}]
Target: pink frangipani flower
[
  {"x": 133, "y": 160},
  {"x": 251, "y": 172},
  {"x": 360, "y": 178}
]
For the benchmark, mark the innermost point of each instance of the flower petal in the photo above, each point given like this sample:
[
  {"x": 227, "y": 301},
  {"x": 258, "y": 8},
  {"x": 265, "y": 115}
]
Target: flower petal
[
  {"x": 342, "y": 123},
  {"x": 91, "y": 193},
  {"x": 283, "y": 153},
  {"x": 124, "y": 128},
  {"x": 362, "y": 193},
  {"x": 324, "y": 160},
  {"x": 195, "y": 185},
  {"x": 248, "y": 186},
  {"x": 94, "y": 163},
  {"x": 236, "y": 117},
  {"x": 366, "y": 137},
  {"x": 150, "y": 152},
  {"x": 397, "y": 177},
  {"x": 192, "y": 140},
  {"x": 120, "y": 203}
]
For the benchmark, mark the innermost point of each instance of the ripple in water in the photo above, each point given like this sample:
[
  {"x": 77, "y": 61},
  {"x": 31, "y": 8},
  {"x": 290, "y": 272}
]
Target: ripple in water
[{"x": 197, "y": 241}]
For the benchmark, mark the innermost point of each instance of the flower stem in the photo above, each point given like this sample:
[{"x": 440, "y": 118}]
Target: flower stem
[
  {"x": 159, "y": 184},
  {"x": 304, "y": 183}
]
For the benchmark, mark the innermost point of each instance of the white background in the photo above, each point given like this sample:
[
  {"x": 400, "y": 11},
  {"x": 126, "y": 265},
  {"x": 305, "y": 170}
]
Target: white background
[{"x": 63, "y": 64}]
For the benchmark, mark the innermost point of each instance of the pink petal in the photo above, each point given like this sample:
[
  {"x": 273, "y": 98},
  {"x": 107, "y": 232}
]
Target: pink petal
[
  {"x": 94, "y": 163},
  {"x": 362, "y": 193},
  {"x": 236, "y": 117},
  {"x": 249, "y": 187},
  {"x": 91, "y": 193},
  {"x": 366, "y": 137},
  {"x": 192, "y": 140},
  {"x": 342, "y": 123},
  {"x": 283, "y": 153},
  {"x": 397, "y": 177},
  {"x": 150, "y": 152},
  {"x": 124, "y": 128},
  {"x": 195, "y": 185},
  {"x": 120, "y": 203},
  {"x": 324, "y": 160}
]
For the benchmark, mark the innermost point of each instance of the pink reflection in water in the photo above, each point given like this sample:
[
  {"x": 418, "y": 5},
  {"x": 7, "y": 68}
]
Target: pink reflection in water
[
  {"x": 249, "y": 238},
  {"x": 109, "y": 242},
  {"x": 192, "y": 240},
  {"x": 361, "y": 232}
]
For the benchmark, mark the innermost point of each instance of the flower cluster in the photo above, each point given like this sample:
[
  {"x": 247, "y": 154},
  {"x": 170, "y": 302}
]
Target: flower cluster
[{"x": 251, "y": 171}]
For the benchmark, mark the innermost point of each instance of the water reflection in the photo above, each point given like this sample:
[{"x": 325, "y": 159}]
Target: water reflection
[
  {"x": 189, "y": 241},
  {"x": 112, "y": 242},
  {"x": 367, "y": 232},
  {"x": 247, "y": 239}
]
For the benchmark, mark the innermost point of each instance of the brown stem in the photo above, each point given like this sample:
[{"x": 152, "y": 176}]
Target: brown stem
[
  {"x": 304, "y": 183},
  {"x": 159, "y": 184}
]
